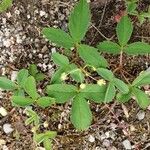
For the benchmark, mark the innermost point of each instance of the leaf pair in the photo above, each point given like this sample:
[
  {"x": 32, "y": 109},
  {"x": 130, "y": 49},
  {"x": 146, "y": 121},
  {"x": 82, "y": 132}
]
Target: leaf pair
[
  {"x": 81, "y": 115},
  {"x": 112, "y": 85},
  {"x": 30, "y": 89},
  {"x": 65, "y": 68},
  {"x": 45, "y": 138},
  {"x": 124, "y": 31},
  {"x": 142, "y": 98},
  {"x": 78, "y": 25}
]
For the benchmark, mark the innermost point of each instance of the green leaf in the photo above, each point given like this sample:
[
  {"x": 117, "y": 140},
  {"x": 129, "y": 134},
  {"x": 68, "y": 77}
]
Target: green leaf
[
  {"x": 105, "y": 73},
  {"x": 33, "y": 117},
  {"x": 131, "y": 7},
  {"x": 39, "y": 138},
  {"x": 142, "y": 79},
  {"x": 94, "y": 92},
  {"x": 39, "y": 77},
  {"x": 110, "y": 93},
  {"x": 18, "y": 92},
  {"x": 124, "y": 30},
  {"x": 22, "y": 76},
  {"x": 7, "y": 84},
  {"x": 91, "y": 56},
  {"x": 109, "y": 47},
  {"x": 121, "y": 86},
  {"x": 45, "y": 101},
  {"x": 30, "y": 88},
  {"x": 79, "y": 20},
  {"x": 123, "y": 98},
  {"x": 22, "y": 101},
  {"x": 76, "y": 73},
  {"x": 5, "y": 4},
  {"x": 138, "y": 48},
  {"x": 60, "y": 59},
  {"x": 141, "y": 18},
  {"x": 47, "y": 144},
  {"x": 81, "y": 115},
  {"x": 145, "y": 14},
  {"x": 56, "y": 76},
  {"x": 141, "y": 98},
  {"x": 33, "y": 70},
  {"x": 61, "y": 92},
  {"x": 58, "y": 37}
]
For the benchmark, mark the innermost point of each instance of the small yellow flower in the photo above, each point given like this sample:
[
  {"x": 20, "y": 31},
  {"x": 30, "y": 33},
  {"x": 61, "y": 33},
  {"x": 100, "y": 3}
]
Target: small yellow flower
[
  {"x": 94, "y": 69},
  {"x": 63, "y": 76},
  {"x": 101, "y": 82},
  {"x": 82, "y": 86},
  {"x": 33, "y": 129}
]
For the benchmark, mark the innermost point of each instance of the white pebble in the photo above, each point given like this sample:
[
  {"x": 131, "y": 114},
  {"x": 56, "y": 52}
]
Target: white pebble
[
  {"x": 7, "y": 128},
  {"x": 42, "y": 13},
  {"x": 5, "y": 147},
  {"x": 140, "y": 115},
  {"x": 91, "y": 139},
  {"x": 3, "y": 111},
  {"x": 2, "y": 142},
  {"x": 14, "y": 75},
  {"x": 106, "y": 143},
  {"x": 7, "y": 43},
  {"x": 127, "y": 144},
  {"x": 53, "y": 50}
]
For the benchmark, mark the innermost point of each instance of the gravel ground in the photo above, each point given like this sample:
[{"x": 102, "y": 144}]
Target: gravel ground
[{"x": 114, "y": 127}]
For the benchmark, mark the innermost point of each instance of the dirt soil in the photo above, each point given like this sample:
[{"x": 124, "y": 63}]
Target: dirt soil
[{"x": 114, "y": 126}]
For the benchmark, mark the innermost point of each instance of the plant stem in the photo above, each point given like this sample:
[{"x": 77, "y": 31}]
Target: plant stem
[{"x": 121, "y": 59}]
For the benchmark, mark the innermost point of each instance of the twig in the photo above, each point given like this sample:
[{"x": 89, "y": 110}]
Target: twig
[{"x": 100, "y": 21}]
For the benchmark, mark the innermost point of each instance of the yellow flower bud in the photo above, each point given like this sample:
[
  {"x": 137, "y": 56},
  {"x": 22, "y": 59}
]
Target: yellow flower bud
[
  {"x": 101, "y": 82},
  {"x": 63, "y": 76},
  {"x": 82, "y": 86}
]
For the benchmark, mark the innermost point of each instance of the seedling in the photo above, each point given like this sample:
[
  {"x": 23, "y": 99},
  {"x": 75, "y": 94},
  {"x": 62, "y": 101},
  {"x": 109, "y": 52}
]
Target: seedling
[
  {"x": 124, "y": 31},
  {"x": 131, "y": 6},
  {"x": 24, "y": 91},
  {"x": 46, "y": 137}
]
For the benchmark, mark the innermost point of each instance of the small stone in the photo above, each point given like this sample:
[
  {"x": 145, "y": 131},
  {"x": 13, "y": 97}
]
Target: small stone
[
  {"x": 42, "y": 13},
  {"x": 59, "y": 126},
  {"x": 14, "y": 75},
  {"x": 3, "y": 111},
  {"x": 91, "y": 139},
  {"x": 40, "y": 148},
  {"x": 127, "y": 144},
  {"x": 7, "y": 128},
  {"x": 2, "y": 142},
  {"x": 106, "y": 143},
  {"x": 5, "y": 147},
  {"x": 140, "y": 115},
  {"x": 53, "y": 50},
  {"x": 45, "y": 124},
  {"x": 7, "y": 43}
]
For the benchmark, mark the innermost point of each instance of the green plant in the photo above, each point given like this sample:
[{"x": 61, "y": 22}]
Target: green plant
[
  {"x": 106, "y": 86},
  {"x": 46, "y": 137},
  {"x": 24, "y": 91},
  {"x": 33, "y": 71},
  {"x": 131, "y": 6},
  {"x": 4, "y": 5},
  {"x": 85, "y": 69}
]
